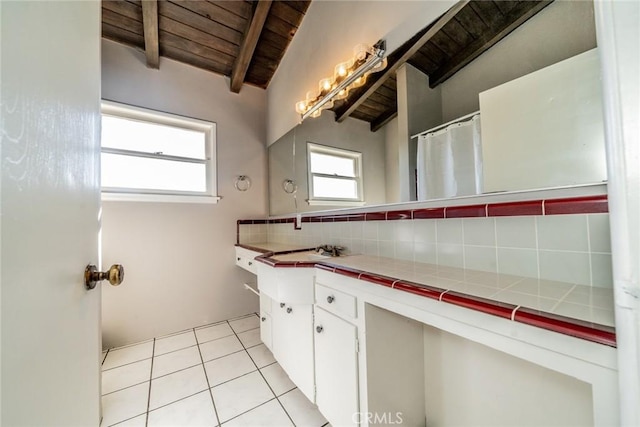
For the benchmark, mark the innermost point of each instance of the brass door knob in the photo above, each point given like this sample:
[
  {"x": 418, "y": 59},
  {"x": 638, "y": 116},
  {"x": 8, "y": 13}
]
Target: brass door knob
[{"x": 115, "y": 275}]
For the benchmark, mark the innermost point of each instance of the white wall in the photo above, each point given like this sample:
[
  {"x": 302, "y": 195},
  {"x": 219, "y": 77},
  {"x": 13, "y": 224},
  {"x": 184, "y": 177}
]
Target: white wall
[
  {"x": 561, "y": 30},
  {"x": 179, "y": 258},
  {"x": 327, "y": 35}
]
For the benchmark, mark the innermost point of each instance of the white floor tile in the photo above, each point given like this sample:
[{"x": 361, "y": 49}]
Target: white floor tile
[
  {"x": 261, "y": 355},
  {"x": 176, "y": 386},
  {"x": 277, "y": 379},
  {"x": 193, "y": 411},
  {"x": 133, "y": 353},
  {"x": 301, "y": 411},
  {"x": 240, "y": 395},
  {"x": 175, "y": 361},
  {"x": 228, "y": 367},
  {"x": 124, "y": 404},
  {"x": 244, "y": 324},
  {"x": 250, "y": 338},
  {"x": 125, "y": 376},
  {"x": 209, "y": 333},
  {"x": 270, "y": 414},
  {"x": 220, "y": 347},
  {"x": 139, "y": 421},
  {"x": 174, "y": 342}
]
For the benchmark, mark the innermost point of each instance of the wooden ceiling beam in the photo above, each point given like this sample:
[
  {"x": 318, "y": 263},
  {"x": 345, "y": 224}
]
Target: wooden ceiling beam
[
  {"x": 249, "y": 44},
  {"x": 515, "y": 17},
  {"x": 150, "y": 25},
  {"x": 406, "y": 51},
  {"x": 383, "y": 119}
]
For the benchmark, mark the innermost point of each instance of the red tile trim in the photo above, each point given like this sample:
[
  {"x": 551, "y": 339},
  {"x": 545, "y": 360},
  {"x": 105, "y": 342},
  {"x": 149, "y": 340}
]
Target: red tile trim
[
  {"x": 245, "y": 221},
  {"x": 479, "y": 304},
  {"x": 577, "y": 205},
  {"x": 326, "y": 218},
  {"x": 252, "y": 248},
  {"x": 567, "y": 326},
  {"x": 325, "y": 267},
  {"x": 592, "y": 332},
  {"x": 428, "y": 213},
  {"x": 405, "y": 214},
  {"x": 375, "y": 216},
  {"x": 357, "y": 217},
  {"x": 379, "y": 280},
  {"x": 315, "y": 219},
  {"x": 422, "y": 290},
  {"x": 471, "y": 211},
  {"x": 349, "y": 272},
  {"x": 341, "y": 218},
  {"x": 533, "y": 207}
]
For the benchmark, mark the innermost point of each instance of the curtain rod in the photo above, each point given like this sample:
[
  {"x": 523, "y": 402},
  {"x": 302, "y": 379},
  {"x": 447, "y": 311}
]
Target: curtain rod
[{"x": 459, "y": 119}]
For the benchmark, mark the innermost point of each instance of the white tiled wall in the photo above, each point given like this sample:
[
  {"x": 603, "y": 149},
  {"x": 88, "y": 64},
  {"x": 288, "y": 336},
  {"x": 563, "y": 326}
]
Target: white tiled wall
[
  {"x": 567, "y": 248},
  {"x": 253, "y": 233}
]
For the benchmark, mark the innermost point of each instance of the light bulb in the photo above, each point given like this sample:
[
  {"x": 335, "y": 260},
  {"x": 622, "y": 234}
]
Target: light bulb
[
  {"x": 325, "y": 85},
  {"x": 342, "y": 94},
  {"x": 359, "y": 81},
  {"x": 380, "y": 66},
  {"x": 301, "y": 107},
  {"x": 342, "y": 70},
  {"x": 360, "y": 52},
  {"x": 316, "y": 113}
]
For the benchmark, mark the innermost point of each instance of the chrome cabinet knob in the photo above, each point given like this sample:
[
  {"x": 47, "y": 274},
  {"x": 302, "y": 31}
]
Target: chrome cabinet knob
[
  {"x": 281, "y": 305},
  {"x": 250, "y": 263},
  {"x": 263, "y": 318},
  {"x": 238, "y": 259},
  {"x": 330, "y": 299},
  {"x": 289, "y": 310},
  {"x": 319, "y": 329},
  {"x": 115, "y": 275}
]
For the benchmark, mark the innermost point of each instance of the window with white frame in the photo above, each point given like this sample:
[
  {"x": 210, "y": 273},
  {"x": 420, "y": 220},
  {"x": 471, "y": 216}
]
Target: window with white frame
[
  {"x": 335, "y": 175},
  {"x": 156, "y": 156}
]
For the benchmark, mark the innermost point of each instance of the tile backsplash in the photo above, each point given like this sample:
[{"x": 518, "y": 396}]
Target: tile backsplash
[
  {"x": 563, "y": 239},
  {"x": 571, "y": 248}
]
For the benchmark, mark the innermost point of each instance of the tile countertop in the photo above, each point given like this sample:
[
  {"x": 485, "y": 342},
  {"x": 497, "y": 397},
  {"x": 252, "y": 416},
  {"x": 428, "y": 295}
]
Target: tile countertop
[{"x": 576, "y": 310}]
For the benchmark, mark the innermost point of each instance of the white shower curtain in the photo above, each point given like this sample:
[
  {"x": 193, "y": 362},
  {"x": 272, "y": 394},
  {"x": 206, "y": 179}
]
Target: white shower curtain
[{"x": 449, "y": 161}]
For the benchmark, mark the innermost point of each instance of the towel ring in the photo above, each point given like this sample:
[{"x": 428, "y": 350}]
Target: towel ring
[
  {"x": 289, "y": 186},
  {"x": 243, "y": 183}
]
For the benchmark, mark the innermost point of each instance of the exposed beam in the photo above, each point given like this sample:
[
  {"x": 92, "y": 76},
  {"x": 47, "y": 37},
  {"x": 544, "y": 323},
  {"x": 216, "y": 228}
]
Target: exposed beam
[
  {"x": 515, "y": 17},
  {"x": 383, "y": 119},
  {"x": 150, "y": 25},
  {"x": 248, "y": 45},
  {"x": 405, "y": 52}
]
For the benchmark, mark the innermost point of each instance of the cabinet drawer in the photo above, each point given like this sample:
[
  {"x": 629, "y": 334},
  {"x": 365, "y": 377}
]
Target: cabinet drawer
[
  {"x": 245, "y": 259},
  {"x": 336, "y": 302}
]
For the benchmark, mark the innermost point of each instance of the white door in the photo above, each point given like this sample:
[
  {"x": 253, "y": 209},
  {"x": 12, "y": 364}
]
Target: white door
[{"x": 50, "y": 200}]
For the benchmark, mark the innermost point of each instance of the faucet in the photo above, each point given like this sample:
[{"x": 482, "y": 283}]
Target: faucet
[{"x": 329, "y": 250}]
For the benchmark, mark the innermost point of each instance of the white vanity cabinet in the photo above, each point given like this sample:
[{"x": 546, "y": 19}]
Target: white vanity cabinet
[
  {"x": 336, "y": 358},
  {"x": 286, "y": 327},
  {"x": 266, "y": 322},
  {"x": 292, "y": 336}
]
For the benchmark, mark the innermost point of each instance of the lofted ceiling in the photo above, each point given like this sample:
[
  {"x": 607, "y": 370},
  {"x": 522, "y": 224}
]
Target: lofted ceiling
[{"x": 246, "y": 40}]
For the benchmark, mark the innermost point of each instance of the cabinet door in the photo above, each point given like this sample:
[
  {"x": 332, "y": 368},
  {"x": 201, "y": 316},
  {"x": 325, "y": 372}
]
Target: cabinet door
[
  {"x": 336, "y": 369},
  {"x": 265, "y": 330},
  {"x": 292, "y": 333}
]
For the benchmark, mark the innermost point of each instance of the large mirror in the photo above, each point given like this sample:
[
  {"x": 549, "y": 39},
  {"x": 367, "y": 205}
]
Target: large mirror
[{"x": 538, "y": 94}]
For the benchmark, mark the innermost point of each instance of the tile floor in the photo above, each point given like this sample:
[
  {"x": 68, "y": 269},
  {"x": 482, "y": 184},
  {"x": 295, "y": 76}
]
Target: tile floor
[{"x": 219, "y": 374}]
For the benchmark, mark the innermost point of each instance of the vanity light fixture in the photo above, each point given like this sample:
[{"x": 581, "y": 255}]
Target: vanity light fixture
[{"x": 347, "y": 75}]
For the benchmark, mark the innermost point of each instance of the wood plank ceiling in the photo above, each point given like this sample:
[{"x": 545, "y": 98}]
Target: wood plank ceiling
[
  {"x": 439, "y": 50},
  {"x": 246, "y": 40}
]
